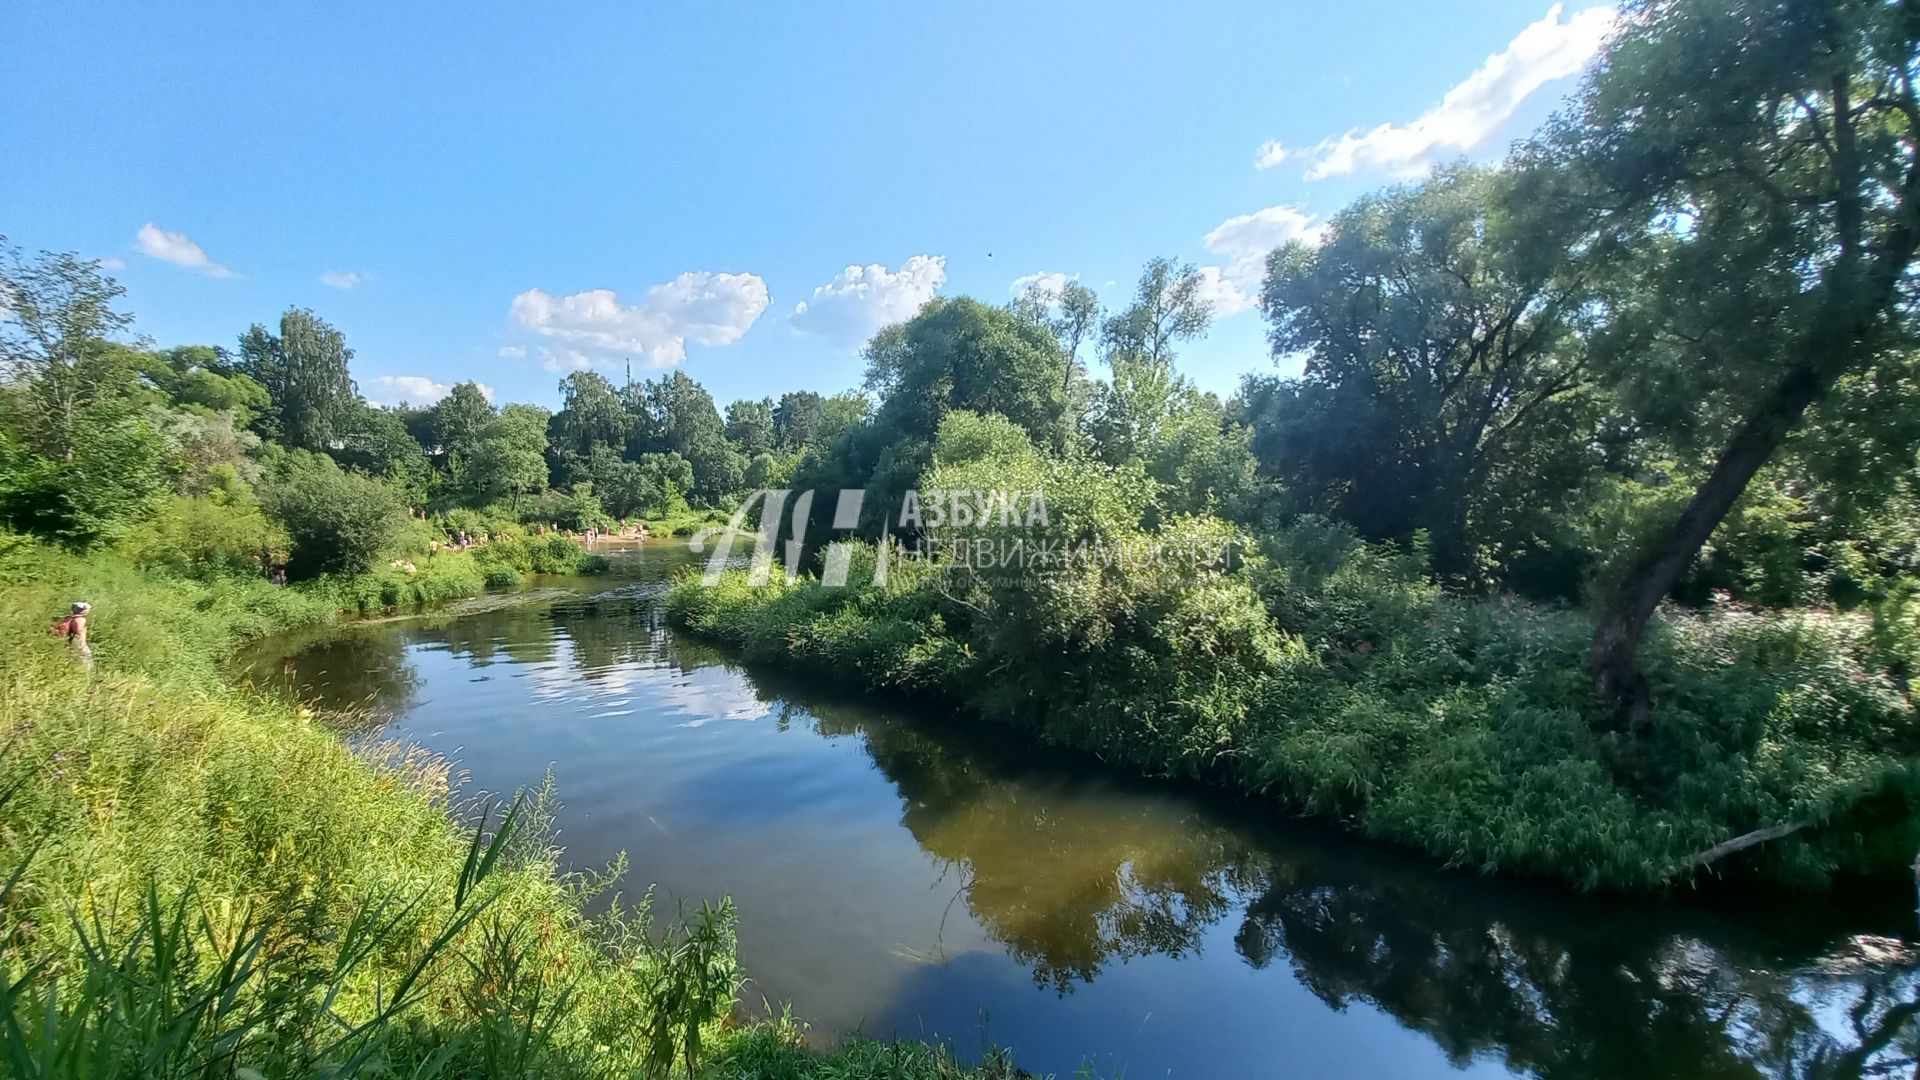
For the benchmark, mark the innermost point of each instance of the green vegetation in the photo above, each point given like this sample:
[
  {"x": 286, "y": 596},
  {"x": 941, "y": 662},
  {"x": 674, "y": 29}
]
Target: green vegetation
[
  {"x": 1583, "y": 546},
  {"x": 199, "y": 880}
]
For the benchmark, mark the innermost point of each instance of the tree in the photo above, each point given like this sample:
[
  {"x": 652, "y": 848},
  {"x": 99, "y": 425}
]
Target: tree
[
  {"x": 1072, "y": 314},
  {"x": 376, "y": 442},
  {"x": 204, "y": 376},
  {"x": 678, "y": 416},
  {"x": 591, "y": 415},
  {"x": 797, "y": 419},
  {"x": 1440, "y": 331},
  {"x": 955, "y": 354},
  {"x": 88, "y": 464},
  {"x": 1128, "y": 409},
  {"x": 511, "y": 458},
  {"x": 114, "y": 477},
  {"x": 1774, "y": 211},
  {"x": 459, "y": 418},
  {"x": 750, "y": 426},
  {"x": 839, "y": 413},
  {"x": 57, "y": 322},
  {"x": 962, "y": 354},
  {"x": 1168, "y": 306},
  {"x": 305, "y": 371},
  {"x": 1079, "y": 315}
]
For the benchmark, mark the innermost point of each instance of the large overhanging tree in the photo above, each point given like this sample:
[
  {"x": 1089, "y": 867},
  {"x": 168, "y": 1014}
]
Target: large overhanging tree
[{"x": 1755, "y": 165}]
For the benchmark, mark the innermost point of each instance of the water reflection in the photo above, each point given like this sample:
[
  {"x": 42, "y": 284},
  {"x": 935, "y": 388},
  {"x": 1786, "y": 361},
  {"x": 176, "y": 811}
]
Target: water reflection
[
  {"x": 1263, "y": 943},
  {"x": 1550, "y": 985}
]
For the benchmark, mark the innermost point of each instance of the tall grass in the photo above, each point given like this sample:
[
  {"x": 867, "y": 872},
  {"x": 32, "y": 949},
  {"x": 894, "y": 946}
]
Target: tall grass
[{"x": 196, "y": 881}]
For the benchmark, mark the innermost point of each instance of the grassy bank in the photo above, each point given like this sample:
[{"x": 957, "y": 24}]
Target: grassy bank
[
  {"x": 1334, "y": 678},
  {"x": 198, "y": 881}
]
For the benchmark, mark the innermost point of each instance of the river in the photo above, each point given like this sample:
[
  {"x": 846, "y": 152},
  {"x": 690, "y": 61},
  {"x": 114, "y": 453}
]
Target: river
[{"x": 900, "y": 872}]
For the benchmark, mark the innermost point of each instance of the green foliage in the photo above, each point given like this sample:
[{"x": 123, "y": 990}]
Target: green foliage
[
  {"x": 456, "y": 421},
  {"x": 65, "y": 374},
  {"x": 336, "y": 522},
  {"x": 549, "y": 554},
  {"x": 510, "y": 458},
  {"x": 1337, "y": 677},
  {"x": 204, "y": 377},
  {"x": 305, "y": 371},
  {"x": 1443, "y": 367},
  {"x": 115, "y": 475},
  {"x": 376, "y": 442},
  {"x": 223, "y": 535}
]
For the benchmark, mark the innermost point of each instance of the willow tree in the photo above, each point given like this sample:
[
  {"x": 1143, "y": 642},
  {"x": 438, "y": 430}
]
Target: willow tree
[
  {"x": 1754, "y": 166},
  {"x": 1444, "y": 360}
]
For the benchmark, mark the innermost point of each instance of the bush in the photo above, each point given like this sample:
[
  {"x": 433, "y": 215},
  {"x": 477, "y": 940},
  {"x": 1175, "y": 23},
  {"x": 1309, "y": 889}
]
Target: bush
[
  {"x": 337, "y": 522},
  {"x": 549, "y": 554},
  {"x": 207, "y": 538}
]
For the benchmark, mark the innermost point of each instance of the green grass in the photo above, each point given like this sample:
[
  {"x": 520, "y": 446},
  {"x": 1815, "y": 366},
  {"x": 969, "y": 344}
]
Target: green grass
[{"x": 199, "y": 881}]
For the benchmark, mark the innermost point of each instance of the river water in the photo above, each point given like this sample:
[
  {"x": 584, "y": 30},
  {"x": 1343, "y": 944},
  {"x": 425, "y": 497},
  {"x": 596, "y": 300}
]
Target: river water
[{"x": 900, "y": 872}]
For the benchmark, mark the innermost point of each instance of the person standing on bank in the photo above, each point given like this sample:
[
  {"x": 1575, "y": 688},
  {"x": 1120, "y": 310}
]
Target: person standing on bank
[{"x": 74, "y": 629}]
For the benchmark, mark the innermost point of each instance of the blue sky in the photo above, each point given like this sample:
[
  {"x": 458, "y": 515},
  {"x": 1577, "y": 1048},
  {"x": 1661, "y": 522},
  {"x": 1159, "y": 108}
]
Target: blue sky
[{"x": 505, "y": 194}]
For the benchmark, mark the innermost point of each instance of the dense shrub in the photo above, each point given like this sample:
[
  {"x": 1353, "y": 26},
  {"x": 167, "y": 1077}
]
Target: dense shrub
[
  {"x": 336, "y": 522},
  {"x": 222, "y": 535}
]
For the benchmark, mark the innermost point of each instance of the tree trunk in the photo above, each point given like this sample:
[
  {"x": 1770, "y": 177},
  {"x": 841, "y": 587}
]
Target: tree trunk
[{"x": 1617, "y": 680}]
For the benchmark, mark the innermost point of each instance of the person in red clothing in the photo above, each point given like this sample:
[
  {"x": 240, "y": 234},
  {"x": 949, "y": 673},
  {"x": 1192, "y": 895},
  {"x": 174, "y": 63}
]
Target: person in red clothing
[{"x": 74, "y": 629}]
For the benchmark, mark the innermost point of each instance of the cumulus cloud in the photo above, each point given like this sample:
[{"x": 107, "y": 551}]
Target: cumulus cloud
[
  {"x": 391, "y": 390},
  {"x": 113, "y": 262},
  {"x": 513, "y": 352},
  {"x": 1243, "y": 243},
  {"x": 1471, "y": 112},
  {"x": 1050, "y": 283},
  {"x": 176, "y": 248},
  {"x": 594, "y": 326},
  {"x": 343, "y": 279},
  {"x": 862, "y": 299}
]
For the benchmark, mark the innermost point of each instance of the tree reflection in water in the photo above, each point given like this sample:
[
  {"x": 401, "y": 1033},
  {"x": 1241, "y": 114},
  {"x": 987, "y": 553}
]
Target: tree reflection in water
[{"x": 1073, "y": 869}]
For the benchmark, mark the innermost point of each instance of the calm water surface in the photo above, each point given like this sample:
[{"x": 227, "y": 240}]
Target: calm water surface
[{"x": 899, "y": 873}]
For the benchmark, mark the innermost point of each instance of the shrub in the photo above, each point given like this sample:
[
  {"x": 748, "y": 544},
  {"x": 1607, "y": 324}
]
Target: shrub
[
  {"x": 336, "y": 522},
  {"x": 206, "y": 538}
]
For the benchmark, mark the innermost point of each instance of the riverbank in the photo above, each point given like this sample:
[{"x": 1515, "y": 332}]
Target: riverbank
[
  {"x": 1351, "y": 689},
  {"x": 202, "y": 879}
]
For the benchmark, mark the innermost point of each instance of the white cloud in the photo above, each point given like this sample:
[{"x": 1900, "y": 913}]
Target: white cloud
[
  {"x": 1471, "y": 112},
  {"x": 1050, "y": 283},
  {"x": 1244, "y": 242},
  {"x": 513, "y": 352},
  {"x": 712, "y": 309},
  {"x": 343, "y": 279},
  {"x": 391, "y": 390},
  {"x": 175, "y": 248},
  {"x": 862, "y": 299},
  {"x": 113, "y": 262},
  {"x": 560, "y": 360}
]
